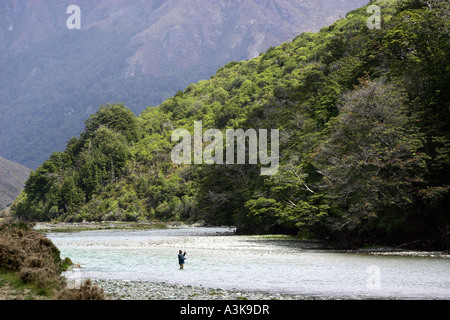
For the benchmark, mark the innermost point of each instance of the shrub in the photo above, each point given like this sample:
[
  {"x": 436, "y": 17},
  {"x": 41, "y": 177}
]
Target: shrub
[
  {"x": 36, "y": 260},
  {"x": 29, "y": 253}
]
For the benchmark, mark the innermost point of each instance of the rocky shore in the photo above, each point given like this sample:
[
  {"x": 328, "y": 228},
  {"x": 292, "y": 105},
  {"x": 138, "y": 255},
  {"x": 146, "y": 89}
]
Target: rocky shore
[{"x": 144, "y": 290}]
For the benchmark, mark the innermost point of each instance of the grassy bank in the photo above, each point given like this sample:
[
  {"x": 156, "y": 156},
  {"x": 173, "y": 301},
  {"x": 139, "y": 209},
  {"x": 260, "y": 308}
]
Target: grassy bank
[
  {"x": 13, "y": 288},
  {"x": 31, "y": 267}
]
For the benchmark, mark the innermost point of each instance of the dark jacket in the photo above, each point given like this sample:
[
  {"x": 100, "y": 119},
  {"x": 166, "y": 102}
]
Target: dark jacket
[{"x": 181, "y": 258}]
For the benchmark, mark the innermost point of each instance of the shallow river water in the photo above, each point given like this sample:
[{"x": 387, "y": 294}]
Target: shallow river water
[{"x": 252, "y": 263}]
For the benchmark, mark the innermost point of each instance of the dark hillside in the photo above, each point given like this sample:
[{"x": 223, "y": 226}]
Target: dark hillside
[{"x": 12, "y": 180}]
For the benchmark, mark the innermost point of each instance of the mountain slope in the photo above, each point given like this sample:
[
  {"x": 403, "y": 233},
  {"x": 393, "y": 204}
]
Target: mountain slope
[
  {"x": 12, "y": 180},
  {"x": 136, "y": 52},
  {"x": 364, "y": 143}
]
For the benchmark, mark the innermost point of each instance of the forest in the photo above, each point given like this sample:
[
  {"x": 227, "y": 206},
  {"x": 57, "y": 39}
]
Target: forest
[{"x": 363, "y": 119}]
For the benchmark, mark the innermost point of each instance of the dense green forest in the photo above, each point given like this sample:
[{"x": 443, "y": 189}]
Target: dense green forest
[{"x": 364, "y": 141}]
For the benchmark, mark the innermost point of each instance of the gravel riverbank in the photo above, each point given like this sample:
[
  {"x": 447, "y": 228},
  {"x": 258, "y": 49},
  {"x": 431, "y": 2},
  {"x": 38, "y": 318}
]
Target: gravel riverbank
[{"x": 144, "y": 290}]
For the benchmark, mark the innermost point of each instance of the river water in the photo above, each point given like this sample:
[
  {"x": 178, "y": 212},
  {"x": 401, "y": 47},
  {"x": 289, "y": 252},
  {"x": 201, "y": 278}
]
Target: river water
[{"x": 271, "y": 264}]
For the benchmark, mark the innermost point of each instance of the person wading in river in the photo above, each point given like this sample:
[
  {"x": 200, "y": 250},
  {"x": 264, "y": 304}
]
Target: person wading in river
[{"x": 181, "y": 258}]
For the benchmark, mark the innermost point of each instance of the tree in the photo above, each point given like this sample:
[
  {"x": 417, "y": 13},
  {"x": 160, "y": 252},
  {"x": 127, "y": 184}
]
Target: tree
[
  {"x": 71, "y": 196},
  {"x": 115, "y": 117},
  {"x": 372, "y": 162}
]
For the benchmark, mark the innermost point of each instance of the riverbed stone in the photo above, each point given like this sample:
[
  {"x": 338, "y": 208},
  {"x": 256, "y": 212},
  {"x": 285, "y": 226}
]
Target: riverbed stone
[{"x": 145, "y": 290}]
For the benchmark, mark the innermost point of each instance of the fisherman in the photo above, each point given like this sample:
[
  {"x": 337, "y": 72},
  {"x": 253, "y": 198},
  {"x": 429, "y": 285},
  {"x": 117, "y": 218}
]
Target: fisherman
[{"x": 181, "y": 258}]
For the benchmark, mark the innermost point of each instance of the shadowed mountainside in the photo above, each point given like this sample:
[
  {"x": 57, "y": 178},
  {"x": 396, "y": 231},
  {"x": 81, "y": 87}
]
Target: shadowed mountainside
[{"x": 12, "y": 179}]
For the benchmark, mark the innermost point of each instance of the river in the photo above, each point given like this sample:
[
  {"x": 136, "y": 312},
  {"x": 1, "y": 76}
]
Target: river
[{"x": 216, "y": 258}]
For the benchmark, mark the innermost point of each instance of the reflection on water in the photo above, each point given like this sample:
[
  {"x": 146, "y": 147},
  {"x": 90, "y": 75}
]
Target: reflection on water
[{"x": 251, "y": 263}]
